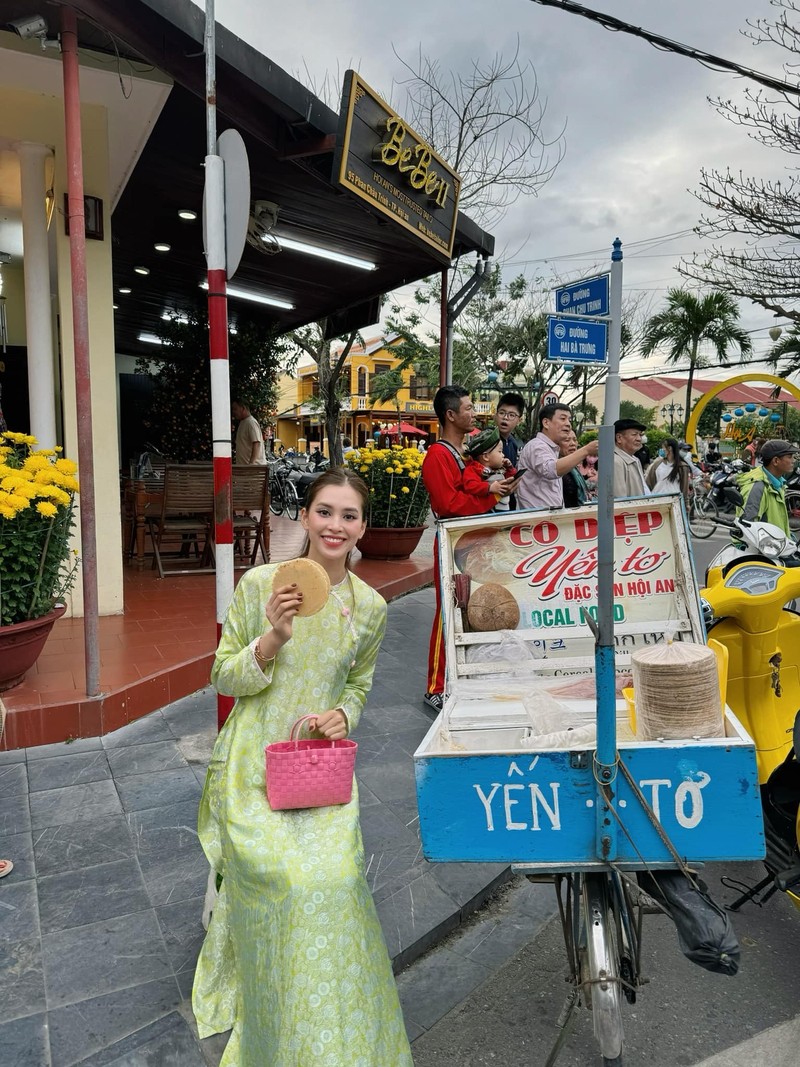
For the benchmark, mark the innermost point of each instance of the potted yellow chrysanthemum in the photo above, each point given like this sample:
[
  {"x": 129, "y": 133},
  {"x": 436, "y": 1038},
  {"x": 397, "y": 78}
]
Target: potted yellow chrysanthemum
[
  {"x": 37, "y": 493},
  {"x": 398, "y": 500}
]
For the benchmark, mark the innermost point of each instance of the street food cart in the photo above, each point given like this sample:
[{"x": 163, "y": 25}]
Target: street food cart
[{"x": 517, "y": 768}]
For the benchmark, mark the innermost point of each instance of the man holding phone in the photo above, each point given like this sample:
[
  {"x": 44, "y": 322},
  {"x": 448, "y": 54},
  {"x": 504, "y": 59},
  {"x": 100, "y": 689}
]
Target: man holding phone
[{"x": 541, "y": 461}]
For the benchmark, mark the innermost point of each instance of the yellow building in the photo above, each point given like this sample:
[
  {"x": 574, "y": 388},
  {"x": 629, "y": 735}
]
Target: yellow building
[{"x": 300, "y": 420}]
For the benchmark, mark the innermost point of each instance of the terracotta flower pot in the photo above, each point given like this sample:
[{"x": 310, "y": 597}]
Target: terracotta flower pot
[
  {"x": 389, "y": 542},
  {"x": 21, "y": 645}
]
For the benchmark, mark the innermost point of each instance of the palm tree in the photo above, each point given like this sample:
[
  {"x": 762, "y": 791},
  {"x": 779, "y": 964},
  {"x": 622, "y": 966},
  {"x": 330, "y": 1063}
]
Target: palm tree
[
  {"x": 689, "y": 321},
  {"x": 386, "y": 390}
]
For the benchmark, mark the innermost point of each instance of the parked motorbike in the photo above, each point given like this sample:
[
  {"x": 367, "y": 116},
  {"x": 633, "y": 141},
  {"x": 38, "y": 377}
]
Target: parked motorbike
[
  {"x": 747, "y": 605},
  {"x": 724, "y": 489},
  {"x": 760, "y": 541}
]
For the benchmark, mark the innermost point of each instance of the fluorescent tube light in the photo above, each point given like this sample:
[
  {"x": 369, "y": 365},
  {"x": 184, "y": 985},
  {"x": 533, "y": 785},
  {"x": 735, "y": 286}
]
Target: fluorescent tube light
[
  {"x": 257, "y": 298},
  {"x": 150, "y": 339},
  {"x": 322, "y": 253}
]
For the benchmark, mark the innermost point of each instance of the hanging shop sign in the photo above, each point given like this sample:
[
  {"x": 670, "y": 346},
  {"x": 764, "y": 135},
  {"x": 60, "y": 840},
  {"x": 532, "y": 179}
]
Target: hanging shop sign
[{"x": 384, "y": 162}]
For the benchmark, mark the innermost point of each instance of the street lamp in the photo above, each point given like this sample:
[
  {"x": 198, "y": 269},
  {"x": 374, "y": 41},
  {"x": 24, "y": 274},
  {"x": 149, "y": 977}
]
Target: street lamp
[{"x": 672, "y": 410}]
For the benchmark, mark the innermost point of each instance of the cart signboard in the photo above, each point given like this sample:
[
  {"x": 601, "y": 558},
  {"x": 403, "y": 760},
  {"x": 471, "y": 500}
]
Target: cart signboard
[
  {"x": 548, "y": 561},
  {"x": 491, "y": 784}
]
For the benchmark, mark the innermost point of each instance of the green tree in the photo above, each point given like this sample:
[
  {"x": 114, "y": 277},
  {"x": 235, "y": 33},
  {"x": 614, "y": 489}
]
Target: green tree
[
  {"x": 708, "y": 426},
  {"x": 386, "y": 389},
  {"x": 179, "y": 418},
  {"x": 629, "y": 410},
  {"x": 689, "y": 322},
  {"x": 311, "y": 339}
]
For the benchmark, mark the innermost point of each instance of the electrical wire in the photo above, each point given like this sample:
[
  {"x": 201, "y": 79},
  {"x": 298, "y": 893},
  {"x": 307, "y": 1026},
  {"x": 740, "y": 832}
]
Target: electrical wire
[{"x": 665, "y": 44}]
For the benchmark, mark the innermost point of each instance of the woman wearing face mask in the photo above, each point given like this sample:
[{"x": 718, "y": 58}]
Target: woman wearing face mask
[{"x": 668, "y": 473}]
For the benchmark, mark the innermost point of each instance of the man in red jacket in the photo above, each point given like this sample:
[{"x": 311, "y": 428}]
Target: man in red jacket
[{"x": 443, "y": 475}]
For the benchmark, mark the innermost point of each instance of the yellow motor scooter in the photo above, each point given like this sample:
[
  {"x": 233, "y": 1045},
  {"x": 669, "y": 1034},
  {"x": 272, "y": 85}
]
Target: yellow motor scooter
[{"x": 746, "y": 611}]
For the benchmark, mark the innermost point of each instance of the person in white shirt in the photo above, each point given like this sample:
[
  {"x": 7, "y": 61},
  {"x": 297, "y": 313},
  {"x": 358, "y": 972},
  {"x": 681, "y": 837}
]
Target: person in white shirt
[
  {"x": 668, "y": 473},
  {"x": 249, "y": 439}
]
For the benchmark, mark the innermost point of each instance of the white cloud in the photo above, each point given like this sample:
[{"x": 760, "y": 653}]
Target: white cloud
[{"x": 639, "y": 126}]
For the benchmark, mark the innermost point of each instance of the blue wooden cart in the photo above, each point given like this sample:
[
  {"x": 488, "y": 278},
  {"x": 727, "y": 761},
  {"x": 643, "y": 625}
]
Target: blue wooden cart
[{"x": 584, "y": 803}]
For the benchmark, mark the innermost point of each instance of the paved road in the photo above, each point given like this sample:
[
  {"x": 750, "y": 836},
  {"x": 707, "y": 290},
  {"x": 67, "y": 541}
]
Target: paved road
[
  {"x": 685, "y": 1016},
  {"x": 682, "y": 1017}
]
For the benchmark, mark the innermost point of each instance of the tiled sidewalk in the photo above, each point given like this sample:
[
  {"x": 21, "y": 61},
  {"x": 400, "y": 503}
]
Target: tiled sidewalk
[{"x": 100, "y": 919}]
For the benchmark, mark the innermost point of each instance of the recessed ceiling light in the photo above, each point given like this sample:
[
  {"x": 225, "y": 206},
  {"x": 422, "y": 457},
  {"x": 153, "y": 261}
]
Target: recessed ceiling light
[
  {"x": 257, "y": 298},
  {"x": 185, "y": 213},
  {"x": 150, "y": 339},
  {"x": 323, "y": 253},
  {"x": 124, "y": 291},
  {"x": 162, "y": 247},
  {"x": 141, "y": 270}
]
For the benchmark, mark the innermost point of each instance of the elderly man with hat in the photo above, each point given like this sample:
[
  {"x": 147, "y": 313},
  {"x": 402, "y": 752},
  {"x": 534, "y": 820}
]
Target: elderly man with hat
[
  {"x": 763, "y": 488},
  {"x": 628, "y": 473}
]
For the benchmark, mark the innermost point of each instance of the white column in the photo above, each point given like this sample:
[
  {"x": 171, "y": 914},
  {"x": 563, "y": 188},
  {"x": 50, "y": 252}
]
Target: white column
[{"x": 36, "y": 266}]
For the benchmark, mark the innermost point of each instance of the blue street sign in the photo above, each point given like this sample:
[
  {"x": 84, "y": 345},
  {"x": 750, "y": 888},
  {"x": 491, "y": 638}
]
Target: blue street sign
[
  {"x": 572, "y": 340},
  {"x": 588, "y": 297}
]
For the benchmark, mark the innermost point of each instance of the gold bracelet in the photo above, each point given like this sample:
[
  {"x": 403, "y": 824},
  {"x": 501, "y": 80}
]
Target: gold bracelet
[{"x": 261, "y": 659}]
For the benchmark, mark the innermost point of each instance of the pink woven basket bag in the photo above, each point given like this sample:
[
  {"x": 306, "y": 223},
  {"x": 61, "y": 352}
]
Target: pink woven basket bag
[{"x": 304, "y": 772}]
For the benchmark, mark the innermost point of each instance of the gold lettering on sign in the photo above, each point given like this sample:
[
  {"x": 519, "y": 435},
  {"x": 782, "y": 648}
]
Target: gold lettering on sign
[
  {"x": 412, "y": 160},
  {"x": 739, "y": 434}
]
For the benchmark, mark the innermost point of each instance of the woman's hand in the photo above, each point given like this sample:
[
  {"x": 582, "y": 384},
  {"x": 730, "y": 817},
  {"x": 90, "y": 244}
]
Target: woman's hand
[
  {"x": 282, "y": 606},
  {"x": 331, "y": 724}
]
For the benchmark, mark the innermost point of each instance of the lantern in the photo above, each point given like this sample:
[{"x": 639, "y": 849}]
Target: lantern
[
  {"x": 763, "y": 412},
  {"x": 775, "y": 417},
  {"x": 738, "y": 412},
  {"x": 727, "y": 417},
  {"x": 750, "y": 407}
]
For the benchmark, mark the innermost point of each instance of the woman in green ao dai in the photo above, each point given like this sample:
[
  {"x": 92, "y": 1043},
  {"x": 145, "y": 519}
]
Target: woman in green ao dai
[{"x": 294, "y": 961}]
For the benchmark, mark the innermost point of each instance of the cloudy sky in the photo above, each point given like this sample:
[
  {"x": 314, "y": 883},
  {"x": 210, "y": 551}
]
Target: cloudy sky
[{"x": 638, "y": 124}]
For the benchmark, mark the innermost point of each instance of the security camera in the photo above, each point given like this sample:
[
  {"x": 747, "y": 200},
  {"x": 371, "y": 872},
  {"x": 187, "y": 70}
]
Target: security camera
[{"x": 32, "y": 26}]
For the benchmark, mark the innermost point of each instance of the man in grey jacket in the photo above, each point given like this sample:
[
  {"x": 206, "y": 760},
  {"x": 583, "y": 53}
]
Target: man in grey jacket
[{"x": 628, "y": 473}]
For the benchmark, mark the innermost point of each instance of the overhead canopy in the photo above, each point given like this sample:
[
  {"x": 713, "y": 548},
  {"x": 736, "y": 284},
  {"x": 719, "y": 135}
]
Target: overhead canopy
[{"x": 290, "y": 136}]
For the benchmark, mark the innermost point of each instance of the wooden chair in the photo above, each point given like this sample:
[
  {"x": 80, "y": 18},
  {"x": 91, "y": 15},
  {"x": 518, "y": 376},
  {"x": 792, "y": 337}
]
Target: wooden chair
[
  {"x": 250, "y": 491},
  {"x": 187, "y": 516}
]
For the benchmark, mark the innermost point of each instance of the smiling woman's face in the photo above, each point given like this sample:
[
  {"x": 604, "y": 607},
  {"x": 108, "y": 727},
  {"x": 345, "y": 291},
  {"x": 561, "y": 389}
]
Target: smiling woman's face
[{"x": 334, "y": 522}]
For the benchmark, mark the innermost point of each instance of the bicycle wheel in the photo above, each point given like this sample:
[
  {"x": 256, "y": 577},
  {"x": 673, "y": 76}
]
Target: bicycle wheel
[
  {"x": 291, "y": 504},
  {"x": 276, "y": 496},
  {"x": 700, "y": 524},
  {"x": 705, "y": 506},
  {"x": 793, "y": 509},
  {"x": 602, "y": 968}
]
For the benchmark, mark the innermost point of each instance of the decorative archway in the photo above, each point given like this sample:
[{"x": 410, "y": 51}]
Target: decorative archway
[{"x": 738, "y": 379}]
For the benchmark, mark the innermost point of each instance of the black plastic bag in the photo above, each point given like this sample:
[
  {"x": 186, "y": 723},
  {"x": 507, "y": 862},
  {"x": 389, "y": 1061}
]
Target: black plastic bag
[{"x": 705, "y": 933}]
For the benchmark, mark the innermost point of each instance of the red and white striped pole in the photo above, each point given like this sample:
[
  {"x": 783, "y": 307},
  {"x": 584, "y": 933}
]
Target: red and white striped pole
[{"x": 218, "y": 346}]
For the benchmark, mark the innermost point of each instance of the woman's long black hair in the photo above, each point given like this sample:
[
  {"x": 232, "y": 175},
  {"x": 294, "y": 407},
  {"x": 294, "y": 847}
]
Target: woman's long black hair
[{"x": 675, "y": 473}]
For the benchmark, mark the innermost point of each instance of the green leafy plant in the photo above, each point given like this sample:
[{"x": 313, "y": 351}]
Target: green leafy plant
[
  {"x": 179, "y": 419},
  {"x": 37, "y": 495},
  {"x": 396, "y": 491}
]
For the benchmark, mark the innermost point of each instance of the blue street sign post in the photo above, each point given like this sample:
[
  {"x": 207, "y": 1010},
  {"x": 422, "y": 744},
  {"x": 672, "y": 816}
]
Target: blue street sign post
[
  {"x": 574, "y": 340},
  {"x": 587, "y": 297}
]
